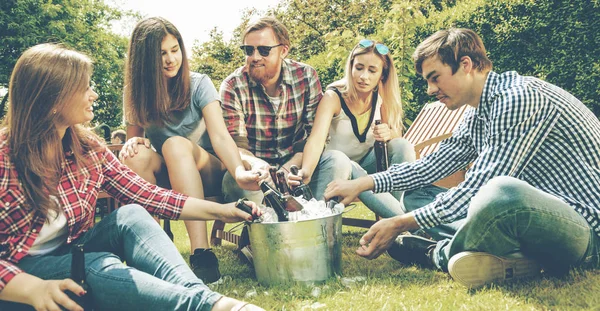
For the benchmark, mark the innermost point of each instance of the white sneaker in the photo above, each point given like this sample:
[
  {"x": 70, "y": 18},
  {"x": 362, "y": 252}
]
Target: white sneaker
[{"x": 476, "y": 269}]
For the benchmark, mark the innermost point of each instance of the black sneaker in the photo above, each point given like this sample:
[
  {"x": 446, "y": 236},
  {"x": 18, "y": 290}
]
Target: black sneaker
[
  {"x": 205, "y": 265},
  {"x": 412, "y": 249}
]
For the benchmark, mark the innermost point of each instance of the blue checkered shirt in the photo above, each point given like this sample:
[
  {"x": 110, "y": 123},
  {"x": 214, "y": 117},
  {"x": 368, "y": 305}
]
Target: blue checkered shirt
[{"x": 524, "y": 128}]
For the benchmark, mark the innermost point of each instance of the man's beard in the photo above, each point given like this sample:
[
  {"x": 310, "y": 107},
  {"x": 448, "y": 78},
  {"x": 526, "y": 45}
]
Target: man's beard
[{"x": 262, "y": 74}]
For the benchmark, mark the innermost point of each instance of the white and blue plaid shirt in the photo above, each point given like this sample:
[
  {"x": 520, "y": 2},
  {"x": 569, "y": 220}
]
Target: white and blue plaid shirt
[{"x": 524, "y": 128}]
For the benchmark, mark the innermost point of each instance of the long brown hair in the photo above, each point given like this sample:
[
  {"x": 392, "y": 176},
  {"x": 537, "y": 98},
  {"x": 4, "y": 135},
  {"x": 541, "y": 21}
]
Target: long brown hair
[
  {"x": 388, "y": 87},
  {"x": 149, "y": 97},
  {"x": 45, "y": 79}
]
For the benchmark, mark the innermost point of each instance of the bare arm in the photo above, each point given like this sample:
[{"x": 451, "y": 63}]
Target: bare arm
[
  {"x": 197, "y": 209},
  {"x": 327, "y": 109},
  {"x": 217, "y": 131}
]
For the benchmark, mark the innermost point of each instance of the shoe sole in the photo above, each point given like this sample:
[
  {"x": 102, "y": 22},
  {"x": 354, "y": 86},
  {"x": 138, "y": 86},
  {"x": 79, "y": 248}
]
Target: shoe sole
[
  {"x": 477, "y": 269},
  {"x": 248, "y": 254}
]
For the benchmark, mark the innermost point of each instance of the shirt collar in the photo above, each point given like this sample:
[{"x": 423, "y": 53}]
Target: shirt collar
[{"x": 485, "y": 101}]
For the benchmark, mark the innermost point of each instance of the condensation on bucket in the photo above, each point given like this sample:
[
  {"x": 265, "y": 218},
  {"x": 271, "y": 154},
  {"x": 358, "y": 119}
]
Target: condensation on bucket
[{"x": 297, "y": 251}]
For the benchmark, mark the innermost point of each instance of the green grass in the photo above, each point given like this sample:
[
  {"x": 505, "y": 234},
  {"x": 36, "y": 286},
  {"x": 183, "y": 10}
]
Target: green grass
[{"x": 389, "y": 285}]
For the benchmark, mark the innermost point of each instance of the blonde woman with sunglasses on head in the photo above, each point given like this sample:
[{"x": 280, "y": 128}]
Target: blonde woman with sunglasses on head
[{"x": 346, "y": 116}]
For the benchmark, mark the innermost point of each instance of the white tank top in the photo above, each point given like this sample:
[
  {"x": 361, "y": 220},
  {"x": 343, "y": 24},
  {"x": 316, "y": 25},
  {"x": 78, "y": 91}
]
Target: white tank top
[
  {"x": 344, "y": 135},
  {"x": 53, "y": 234}
]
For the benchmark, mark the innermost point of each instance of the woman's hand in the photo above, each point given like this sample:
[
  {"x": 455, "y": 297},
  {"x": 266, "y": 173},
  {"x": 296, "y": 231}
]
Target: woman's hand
[
  {"x": 130, "y": 148},
  {"x": 382, "y": 132},
  {"x": 50, "y": 295},
  {"x": 248, "y": 179},
  {"x": 230, "y": 213}
]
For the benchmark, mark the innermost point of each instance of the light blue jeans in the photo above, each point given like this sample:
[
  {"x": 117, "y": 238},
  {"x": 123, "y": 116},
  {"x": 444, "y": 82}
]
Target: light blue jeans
[
  {"x": 397, "y": 203},
  {"x": 509, "y": 215},
  {"x": 384, "y": 204},
  {"x": 156, "y": 277},
  {"x": 332, "y": 165}
]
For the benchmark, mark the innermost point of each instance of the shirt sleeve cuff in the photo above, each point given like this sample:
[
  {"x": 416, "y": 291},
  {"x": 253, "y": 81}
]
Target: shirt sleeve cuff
[
  {"x": 383, "y": 182},
  {"x": 426, "y": 217}
]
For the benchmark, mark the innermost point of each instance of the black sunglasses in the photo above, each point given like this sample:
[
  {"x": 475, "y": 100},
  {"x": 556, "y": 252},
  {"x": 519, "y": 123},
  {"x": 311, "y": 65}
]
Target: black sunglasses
[{"x": 263, "y": 50}]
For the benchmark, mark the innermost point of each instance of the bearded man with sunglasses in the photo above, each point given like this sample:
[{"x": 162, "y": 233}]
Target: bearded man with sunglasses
[
  {"x": 269, "y": 105},
  {"x": 531, "y": 200}
]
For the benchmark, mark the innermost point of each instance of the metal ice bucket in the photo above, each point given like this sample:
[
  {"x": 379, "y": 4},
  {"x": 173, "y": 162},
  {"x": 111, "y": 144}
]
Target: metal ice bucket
[{"x": 297, "y": 252}]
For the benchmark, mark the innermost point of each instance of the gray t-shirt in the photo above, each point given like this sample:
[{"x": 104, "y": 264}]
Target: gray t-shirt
[{"x": 189, "y": 122}]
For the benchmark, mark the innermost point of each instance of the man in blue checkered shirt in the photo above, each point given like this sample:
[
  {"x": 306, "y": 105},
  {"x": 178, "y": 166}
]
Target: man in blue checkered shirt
[{"x": 531, "y": 199}]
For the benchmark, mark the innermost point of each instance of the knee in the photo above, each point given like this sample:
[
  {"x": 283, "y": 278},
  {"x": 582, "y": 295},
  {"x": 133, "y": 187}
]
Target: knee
[
  {"x": 98, "y": 262},
  {"x": 401, "y": 150},
  {"x": 176, "y": 147},
  {"x": 141, "y": 161},
  {"x": 337, "y": 162},
  {"x": 133, "y": 214},
  {"x": 500, "y": 194}
]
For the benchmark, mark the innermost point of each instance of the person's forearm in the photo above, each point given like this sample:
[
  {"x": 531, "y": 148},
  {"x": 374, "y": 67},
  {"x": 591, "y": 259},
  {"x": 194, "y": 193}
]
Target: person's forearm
[
  {"x": 232, "y": 160},
  {"x": 19, "y": 288},
  {"x": 406, "y": 222},
  {"x": 364, "y": 183},
  {"x": 295, "y": 160},
  {"x": 310, "y": 158},
  {"x": 197, "y": 209}
]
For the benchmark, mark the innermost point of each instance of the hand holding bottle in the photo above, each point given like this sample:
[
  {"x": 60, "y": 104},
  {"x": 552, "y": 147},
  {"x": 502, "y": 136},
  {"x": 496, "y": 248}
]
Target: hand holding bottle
[
  {"x": 381, "y": 131},
  {"x": 50, "y": 294}
]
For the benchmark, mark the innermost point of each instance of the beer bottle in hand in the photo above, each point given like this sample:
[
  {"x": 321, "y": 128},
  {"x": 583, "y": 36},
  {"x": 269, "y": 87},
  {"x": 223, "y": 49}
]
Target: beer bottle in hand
[
  {"x": 78, "y": 275},
  {"x": 381, "y": 153},
  {"x": 302, "y": 190},
  {"x": 274, "y": 199}
]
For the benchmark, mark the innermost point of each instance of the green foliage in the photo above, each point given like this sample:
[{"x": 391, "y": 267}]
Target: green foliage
[
  {"x": 82, "y": 25},
  {"x": 557, "y": 41}
]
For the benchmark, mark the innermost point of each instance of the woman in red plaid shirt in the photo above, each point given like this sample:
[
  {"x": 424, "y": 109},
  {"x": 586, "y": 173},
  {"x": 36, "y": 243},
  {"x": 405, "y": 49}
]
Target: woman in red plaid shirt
[{"x": 51, "y": 169}]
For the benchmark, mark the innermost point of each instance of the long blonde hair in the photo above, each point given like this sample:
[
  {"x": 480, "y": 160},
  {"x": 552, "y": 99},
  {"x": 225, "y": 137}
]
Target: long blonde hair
[
  {"x": 45, "y": 78},
  {"x": 388, "y": 87}
]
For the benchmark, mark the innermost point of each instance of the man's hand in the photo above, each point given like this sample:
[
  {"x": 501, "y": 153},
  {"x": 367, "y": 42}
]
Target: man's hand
[
  {"x": 50, "y": 295},
  {"x": 130, "y": 148},
  {"x": 348, "y": 190},
  {"x": 379, "y": 238}
]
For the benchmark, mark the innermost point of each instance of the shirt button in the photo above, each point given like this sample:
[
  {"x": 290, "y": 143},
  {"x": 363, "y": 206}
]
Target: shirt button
[
  {"x": 34, "y": 230},
  {"x": 19, "y": 249},
  {"x": 6, "y": 204}
]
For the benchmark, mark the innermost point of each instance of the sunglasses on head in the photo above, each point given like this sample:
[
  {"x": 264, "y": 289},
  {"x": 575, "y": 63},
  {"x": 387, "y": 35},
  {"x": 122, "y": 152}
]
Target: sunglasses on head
[
  {"x": 263, "y": 50},
  {"x": 380, "y": 47}
]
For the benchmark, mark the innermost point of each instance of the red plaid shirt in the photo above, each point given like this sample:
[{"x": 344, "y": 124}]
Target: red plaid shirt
[
  {"x": 77, "y": 193},
  {"x": 254, "y": 124}
]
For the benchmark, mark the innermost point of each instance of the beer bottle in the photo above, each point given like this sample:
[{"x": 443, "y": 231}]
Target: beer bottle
[
  {"x": 381, "y": 153},
  {"x": 78, "y": 275},
  {"x": 273, "y": 173},
  {"x": 274, "y": 199},
  {"x": 302, "y": 190},
  {"x": 283, "y": 186}
]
